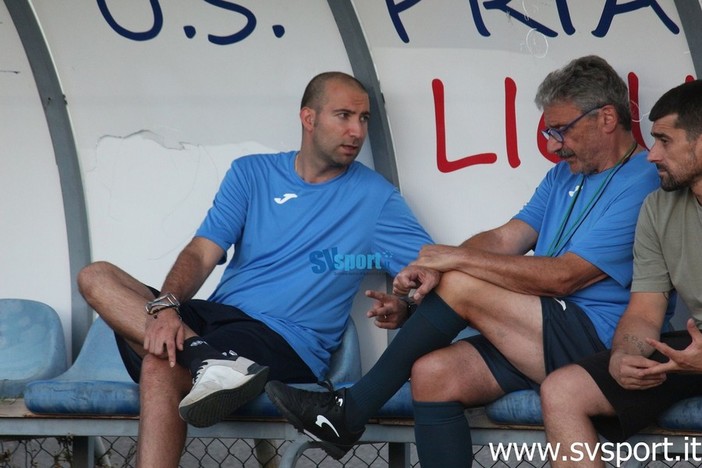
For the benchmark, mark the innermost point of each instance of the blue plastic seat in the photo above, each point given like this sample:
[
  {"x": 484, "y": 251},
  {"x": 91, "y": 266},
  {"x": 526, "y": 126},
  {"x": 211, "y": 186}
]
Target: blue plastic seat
[
  {"x": 98, "y": 382},
  {"x": 520, "y": 407},
  {"x": 345, "y": 364},
  {"x": 31, "y": 345},
  {"x": 524, "y": 407},
  {"x": 399, "y": 406},
  {"x": 345, "y": 367},
  {"x": 685, "y": 415}
]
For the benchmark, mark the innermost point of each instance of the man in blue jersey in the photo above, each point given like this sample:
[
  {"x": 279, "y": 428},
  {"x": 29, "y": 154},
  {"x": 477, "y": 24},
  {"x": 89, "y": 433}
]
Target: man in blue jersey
[
  {"x": 535, "y": 312},
  {"x": 619, "y": 392},
  {"x": 306, "y": 226}
]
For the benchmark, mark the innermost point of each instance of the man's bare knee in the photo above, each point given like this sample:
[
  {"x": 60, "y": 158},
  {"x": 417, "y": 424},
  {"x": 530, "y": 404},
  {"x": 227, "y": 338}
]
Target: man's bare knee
[
  {"x": 93, "y": 276},
  {"x": 427, "y": 371},
  {"x": 559, "y": 388},
  {"x": 158, "y": 377},
  {"x": 459, "y": 282},
  {"x": 557, "y": 393},
  {"x": 435, "y": 376},
  {"x": 459, "y": 289}
]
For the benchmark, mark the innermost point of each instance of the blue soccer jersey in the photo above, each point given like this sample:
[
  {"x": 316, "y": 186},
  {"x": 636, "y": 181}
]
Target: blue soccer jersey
[{"x": 301, "y": 250}]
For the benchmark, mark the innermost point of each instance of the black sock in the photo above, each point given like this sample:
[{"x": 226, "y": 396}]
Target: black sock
[
  {"x": 433, "y": 326},
  {"x": 196, "y": 350},
  {"x": 442, "y": 434}
]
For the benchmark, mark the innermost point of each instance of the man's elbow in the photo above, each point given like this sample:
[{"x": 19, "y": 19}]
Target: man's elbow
[{"x": 569, "y": 283}]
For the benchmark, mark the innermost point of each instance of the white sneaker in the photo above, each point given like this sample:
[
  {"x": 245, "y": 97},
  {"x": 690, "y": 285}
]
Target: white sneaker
[{"x": 219, "y": 388}]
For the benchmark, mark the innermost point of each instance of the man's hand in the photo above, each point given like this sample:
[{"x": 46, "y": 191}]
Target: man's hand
[
  {"x": 390, "y": 311},
  {"x": 633, "y": 372},
  {"x": 163, "y": 335},
  {"x": 415, "y": 277},
  {"x": 686, "y": 360},
  {"x": 439, "y": 257}
]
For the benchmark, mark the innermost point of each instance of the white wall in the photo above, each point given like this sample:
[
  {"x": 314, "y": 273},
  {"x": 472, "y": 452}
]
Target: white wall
[
  {"x": 157, "y": 121},
  {"x": 33, "y": 245}
]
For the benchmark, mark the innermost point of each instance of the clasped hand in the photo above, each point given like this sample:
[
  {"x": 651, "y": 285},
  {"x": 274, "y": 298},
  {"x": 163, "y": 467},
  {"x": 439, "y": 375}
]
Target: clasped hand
[
  {"x": 163, "y": 335},
  {"x": 638, "y": 372},
  {"x": 424, "y": 274}
]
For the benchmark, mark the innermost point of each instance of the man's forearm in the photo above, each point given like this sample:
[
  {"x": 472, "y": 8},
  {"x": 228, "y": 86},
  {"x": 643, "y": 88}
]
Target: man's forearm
[
  {"x": 538, "y": 276},
  {"x": 642, "y": 319},
  {"x": 498, "y": 257},
  {"x": 189, "y": 272},
  {"x": 630, "y": 338},
  {"x": 496, "y": 242}
]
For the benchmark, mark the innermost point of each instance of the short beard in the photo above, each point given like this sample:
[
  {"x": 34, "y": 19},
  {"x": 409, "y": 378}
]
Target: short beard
[
  {"x": 671, "y": 184},
  {"x": 685, "y": 178}
]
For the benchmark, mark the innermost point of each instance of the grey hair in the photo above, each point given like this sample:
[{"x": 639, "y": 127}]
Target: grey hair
[{"x": 586, "y": 82}]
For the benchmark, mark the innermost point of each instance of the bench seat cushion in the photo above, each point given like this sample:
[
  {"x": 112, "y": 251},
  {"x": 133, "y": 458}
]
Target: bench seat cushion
[
  {"x": 399, "y": 406},
  {"x": 685, "y": 415},
  {"x": 524, "y": 407},
  {"x": 520, "y": 407},
  {"x": 98, "y": 397}
]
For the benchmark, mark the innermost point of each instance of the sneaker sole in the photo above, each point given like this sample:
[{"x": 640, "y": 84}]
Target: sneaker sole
[
  {"x": 335, "y": 451},
  {"x": 214, "y": 407}
]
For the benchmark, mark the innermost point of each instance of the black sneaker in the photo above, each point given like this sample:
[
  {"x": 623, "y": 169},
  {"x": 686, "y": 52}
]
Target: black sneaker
[{"x": 321, "y": 415}]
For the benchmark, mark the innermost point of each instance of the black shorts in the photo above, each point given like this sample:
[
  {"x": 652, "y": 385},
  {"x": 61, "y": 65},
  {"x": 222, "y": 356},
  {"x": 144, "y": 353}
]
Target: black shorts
[
  {"x": 568, "y": 336},
  {"x": 227, "y": 328},
  {"x": 636, "y": 409}
]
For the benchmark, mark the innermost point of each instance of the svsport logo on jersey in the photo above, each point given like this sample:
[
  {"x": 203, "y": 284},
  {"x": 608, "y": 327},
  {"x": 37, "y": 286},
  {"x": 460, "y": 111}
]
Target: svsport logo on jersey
[{"x": 331, "y": 260}]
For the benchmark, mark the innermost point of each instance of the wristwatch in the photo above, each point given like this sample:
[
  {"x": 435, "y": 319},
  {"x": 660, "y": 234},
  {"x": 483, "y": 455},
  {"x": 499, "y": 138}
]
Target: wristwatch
[
  {"x": 411, "y": 305},
  {"x": 166, "y": 301}
]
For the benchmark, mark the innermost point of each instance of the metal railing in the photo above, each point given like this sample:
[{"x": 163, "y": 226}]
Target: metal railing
[{"x": 113, "y": 452}]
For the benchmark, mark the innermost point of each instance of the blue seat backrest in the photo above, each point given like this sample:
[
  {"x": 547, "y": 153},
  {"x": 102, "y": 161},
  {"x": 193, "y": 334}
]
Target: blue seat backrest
[
  {"x": 345, "y": 365},
  {"x": 344, "y": 368},
  {"x": 99, "y": 358},
  {"x": 31, "y": 345}
]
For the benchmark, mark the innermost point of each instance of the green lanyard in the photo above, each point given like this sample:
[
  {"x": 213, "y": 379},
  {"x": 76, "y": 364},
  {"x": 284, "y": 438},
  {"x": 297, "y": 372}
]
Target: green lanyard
[{"x": 562, "y": 238}]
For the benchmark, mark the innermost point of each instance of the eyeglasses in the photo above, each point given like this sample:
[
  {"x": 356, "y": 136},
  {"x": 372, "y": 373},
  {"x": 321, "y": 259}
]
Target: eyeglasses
[{"x": 558, "y": 134}]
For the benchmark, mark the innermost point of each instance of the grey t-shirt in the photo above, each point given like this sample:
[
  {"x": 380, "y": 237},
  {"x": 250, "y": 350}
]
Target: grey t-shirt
[{"x": 668, "y": 247}]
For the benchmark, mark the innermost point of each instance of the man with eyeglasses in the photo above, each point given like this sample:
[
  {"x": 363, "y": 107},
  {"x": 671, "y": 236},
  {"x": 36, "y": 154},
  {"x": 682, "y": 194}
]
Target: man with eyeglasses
[
  {"x": 535, "y": 312},
  {"x": 619, "y": 392}
]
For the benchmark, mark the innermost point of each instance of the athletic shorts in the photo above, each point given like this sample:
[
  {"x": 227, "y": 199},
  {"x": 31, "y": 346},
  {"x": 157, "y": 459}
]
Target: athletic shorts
[
  {"x": 227, "y": 328},
  {"x": 636, "y": 409},
  {"x": 568, "y": 336}
]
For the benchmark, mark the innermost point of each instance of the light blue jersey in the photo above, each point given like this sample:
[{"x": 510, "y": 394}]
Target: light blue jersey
[
  {"x": 301, "y": 250},
  {"x": 594, "y": 217}
]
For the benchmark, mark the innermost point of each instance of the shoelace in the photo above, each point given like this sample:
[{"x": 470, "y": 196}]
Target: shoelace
[
  {"x": 199, "y": 371},
  {"x": 332, "y": 395}
]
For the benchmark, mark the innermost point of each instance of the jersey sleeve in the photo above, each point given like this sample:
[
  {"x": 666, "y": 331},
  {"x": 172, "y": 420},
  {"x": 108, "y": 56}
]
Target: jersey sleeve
[
  {"x": 398, "y": 235},
  {"x": 226, "y": 218},
  {"x": 534, "y": 211}
]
